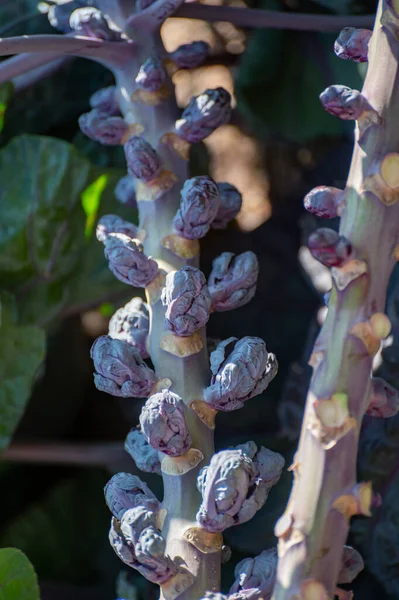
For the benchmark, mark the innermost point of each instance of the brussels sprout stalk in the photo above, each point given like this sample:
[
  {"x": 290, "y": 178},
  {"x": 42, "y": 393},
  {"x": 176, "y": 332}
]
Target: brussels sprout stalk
[{"x": 313, "y": 530}]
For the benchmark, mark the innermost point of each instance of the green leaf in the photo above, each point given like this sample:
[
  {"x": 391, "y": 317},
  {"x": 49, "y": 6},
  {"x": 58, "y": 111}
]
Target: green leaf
[
  {"x": 91, "y": 199},
  {"x": 49, "y": 530},
  {"x": 22, "y": 349},
  {"x": 93, "y": 283},
  {"x": 5, "y": 93},
  {"x": 41, "y": 217},
  {"x": 18, "y": 580}
]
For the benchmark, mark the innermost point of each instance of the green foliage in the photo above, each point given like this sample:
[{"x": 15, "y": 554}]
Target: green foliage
[
  {"x": 18, "y": 579},
  {"x": 22, "y": 350},
  {"x": 5, "y": 93},
  {"x": 64, "y": 532},
  {"x": 50, "y": 200}
]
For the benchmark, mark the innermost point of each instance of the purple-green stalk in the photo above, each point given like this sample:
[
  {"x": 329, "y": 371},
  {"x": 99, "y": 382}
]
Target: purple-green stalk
[
  {"x": 189, "y": 372},
  {"x": 313, "y": 530}
]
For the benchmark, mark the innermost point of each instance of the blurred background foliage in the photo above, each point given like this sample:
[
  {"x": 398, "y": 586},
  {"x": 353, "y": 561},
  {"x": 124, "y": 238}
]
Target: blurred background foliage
[{"x": 57, "y": 293}]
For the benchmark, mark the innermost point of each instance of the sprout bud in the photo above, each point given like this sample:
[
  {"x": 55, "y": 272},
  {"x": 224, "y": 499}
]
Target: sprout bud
[
  {"x": 109, "y": 224},
  {"x": 240, "y": 370},
  {"x": 142, "y": 160},
  {"x": 329, "y": 248},
  {"x": 120, "y": 370},
  {"x": 232, "y": 282},
  {"x": 229, "y": 207},
  {"x": 323, "y": 201},
  {"x": 353, "y": 44},
  {"x": 100, "y": 127},
  {"x": 163, "y": 423},
  {"x": 188, "y": 301},
  {"x": 234, "y": 486},
  {"x": 199, "y": 206},
  {"x": 131, "y": 323},
  {"x": 128, "y": 262},
  {"x": 204, "y": 114},
  {"x": 189, "y": 56},
  {"x": 104, "y": 100},
  {"x": 90, "y": 22},
  {"x": 151, "y": 75}
]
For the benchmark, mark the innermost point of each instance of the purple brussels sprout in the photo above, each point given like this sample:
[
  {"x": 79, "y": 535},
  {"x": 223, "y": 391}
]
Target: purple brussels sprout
[
  {"x": 323, "y": 201},
  {"x": 353, "y": 44},
  {"x": 329, "y": 248},
  {"x": 229, "y": 207},
  {"x": 145, "y": 457},
  {"x": 187, "y": 300},
  {"x": 105, "y": 101},
  {"x": 139, "y": 544},
  {"x": 91, "y": 22},
  {"x": 124, "y": 491},
  {"x": 383, "y": 400},
  {"x": 131, "y": 323},
  {"x": 232, "y": 282},
  {"x": 151, "y": 75},
  {"x": 189, "y": 56},
  {"x": 351, "y": 565},
  {"x": 235, "y": 486},
  {"x": 204, "y": 114},
  {"x": 125, "y": 191},
  {"x": 343, "y": 102},
  {"x": 240, "y": 370},
  {"x": 128, "y": 262},
  {"x": 255, "y": 577},
  {"x": 163, "y": 423},
  {"x": 142, "y": 160},
  {"x": 120, "y": 370},
  {"x": 102, "y": 128},
  {"x": 110, "y": 224},
  {"x": 199, "y": 206},
  {"x": 59, "y": 14}
]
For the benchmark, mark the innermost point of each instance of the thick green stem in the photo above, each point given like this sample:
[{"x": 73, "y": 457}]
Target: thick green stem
[
  {"x": 312, "y": 531},
  {"x": 189, "y": 375}
]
